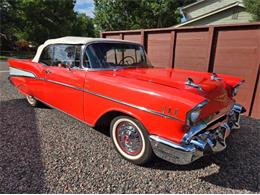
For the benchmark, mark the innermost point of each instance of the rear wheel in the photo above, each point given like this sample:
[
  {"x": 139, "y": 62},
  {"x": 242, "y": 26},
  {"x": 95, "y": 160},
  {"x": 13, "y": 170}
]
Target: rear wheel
[
  {"x": 131, "y": 139},
  {"x": 32, "y": 101}
]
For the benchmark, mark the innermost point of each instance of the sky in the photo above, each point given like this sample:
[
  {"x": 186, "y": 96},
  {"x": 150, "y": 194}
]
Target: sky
[{"x": 85, "y": 6}]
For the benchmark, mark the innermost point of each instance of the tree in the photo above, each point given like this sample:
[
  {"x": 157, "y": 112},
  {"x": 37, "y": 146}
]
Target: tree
[
  {"x": 134, "y": 14},
  {"x": 83, "y": 26},
  {"x": 38, "y": 20},
  {"x": 47, "y": 19},
  {"x": 253, "y": 7},
  {"x": 11, "y": 22}
]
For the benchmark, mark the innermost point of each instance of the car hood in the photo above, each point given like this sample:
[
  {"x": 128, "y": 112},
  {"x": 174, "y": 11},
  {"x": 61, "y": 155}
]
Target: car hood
[
  {"x": 175, "y": 78},
  {"x": 216, "y": 91}
]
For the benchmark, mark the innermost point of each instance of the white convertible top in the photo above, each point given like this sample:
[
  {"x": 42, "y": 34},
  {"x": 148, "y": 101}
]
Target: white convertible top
[{"x": 69, "y": 40}]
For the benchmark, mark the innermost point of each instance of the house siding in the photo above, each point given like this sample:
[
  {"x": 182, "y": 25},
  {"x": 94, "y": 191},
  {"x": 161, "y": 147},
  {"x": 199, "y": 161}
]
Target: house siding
[
  {"x": 225, "y": 17},
  {"x": 207, "y": 7}
]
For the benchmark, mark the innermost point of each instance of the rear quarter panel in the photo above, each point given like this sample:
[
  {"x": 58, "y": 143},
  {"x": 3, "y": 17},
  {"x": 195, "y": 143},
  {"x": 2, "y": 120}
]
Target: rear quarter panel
[{"x": 27, "y": 85}]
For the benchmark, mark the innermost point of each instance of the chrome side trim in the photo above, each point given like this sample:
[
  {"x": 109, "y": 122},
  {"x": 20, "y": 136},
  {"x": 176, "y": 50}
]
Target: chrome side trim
[
  {"x": 134, "y": 106},
  {"x": 111, "y": 99},
  {"x": 117, "y": 101},
  {"x": 20, "y": 72},
  {"x": 64, "y": 84},
  {"x": 36, "y": 78},
  {"x": 10, "y": 76}
]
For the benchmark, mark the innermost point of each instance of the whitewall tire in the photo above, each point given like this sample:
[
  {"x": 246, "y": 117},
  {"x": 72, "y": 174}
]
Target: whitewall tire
[
  {"x": 131, "y": 140},
  {"x": 32, "y": 101}
]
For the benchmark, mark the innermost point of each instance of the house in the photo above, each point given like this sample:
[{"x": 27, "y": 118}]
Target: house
[{"x": 212, "y": 12}]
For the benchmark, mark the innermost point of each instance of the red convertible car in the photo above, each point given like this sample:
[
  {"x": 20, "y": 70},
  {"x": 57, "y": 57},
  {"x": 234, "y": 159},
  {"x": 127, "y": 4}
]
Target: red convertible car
[{"x": 177, "y": 115}]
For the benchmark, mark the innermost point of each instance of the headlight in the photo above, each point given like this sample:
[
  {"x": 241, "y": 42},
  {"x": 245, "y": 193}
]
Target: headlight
[
  {"x": 194, "y": 115},
  {"x": 235, "y": 89}
]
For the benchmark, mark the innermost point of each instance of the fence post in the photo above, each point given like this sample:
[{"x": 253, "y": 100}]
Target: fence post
[
  {"x": 121, "y": 36},
  {"x": 209, "y": 61},
  {"x": 257, "y": 87},
  {"x": 254, "y": 94},
  {"x": 144, "y": 40},
  {"x": 172, "y": 48}
]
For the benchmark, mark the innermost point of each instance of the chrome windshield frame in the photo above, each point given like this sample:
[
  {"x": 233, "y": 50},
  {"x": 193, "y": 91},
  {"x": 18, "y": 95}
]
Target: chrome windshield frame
[{"x": 84, "y": 47}]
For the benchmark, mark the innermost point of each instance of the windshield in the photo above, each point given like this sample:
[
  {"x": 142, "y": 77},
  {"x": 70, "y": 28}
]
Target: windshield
[{"x": 113, "y": 55}]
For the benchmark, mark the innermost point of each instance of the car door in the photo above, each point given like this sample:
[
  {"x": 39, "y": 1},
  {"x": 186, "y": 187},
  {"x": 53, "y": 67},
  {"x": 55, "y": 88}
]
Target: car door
[{"x": 64, "y": 80}]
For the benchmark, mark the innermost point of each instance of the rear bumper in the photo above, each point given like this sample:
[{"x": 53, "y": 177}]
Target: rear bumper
[{"x": 201, "y": 140}]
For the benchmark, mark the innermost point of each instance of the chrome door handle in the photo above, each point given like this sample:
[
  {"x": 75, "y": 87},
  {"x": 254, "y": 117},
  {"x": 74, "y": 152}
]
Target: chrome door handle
[{"x": 47, "y": 71}]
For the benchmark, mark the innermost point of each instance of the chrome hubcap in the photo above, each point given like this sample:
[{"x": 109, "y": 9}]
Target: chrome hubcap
[{"x": 129, "y": 138}]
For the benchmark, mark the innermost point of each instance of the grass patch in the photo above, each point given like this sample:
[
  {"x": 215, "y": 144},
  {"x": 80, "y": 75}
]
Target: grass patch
[{"x": 4, "y": 57}]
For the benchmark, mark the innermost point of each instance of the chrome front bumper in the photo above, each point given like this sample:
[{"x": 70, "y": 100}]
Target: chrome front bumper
[{"x": 205, "y": 138}]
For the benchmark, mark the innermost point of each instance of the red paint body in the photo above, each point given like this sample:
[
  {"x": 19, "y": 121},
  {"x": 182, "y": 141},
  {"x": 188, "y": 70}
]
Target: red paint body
[{"x": 159, "y": 89}]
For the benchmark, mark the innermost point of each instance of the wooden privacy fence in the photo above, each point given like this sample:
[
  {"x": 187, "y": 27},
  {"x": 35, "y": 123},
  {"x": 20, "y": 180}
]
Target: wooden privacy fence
[{"x": 228, "y": 49}]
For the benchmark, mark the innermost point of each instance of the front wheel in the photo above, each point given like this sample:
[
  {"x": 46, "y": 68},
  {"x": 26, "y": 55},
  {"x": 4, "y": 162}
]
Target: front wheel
[{"x": 131, "y": 140}]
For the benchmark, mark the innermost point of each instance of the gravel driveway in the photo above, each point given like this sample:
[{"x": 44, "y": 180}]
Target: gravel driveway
[{"x": 45, "y": 151}]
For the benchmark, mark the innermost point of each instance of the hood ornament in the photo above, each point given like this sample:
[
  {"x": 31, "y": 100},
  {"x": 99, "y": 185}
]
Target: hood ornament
[
  {"x": 215, "y": 77},
  {"x": 191, "y": 83}
]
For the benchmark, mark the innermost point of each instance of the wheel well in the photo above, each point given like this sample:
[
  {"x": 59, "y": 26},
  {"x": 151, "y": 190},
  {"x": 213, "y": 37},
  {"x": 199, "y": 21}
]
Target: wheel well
[{"x": 105, "y": 119}]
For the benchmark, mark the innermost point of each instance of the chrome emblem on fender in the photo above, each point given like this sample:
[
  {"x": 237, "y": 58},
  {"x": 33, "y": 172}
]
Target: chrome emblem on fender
[
  {"x": 221, "y": 98},
  {"x": 169, "y": 111}
]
